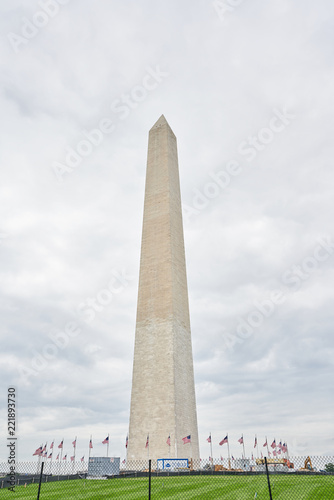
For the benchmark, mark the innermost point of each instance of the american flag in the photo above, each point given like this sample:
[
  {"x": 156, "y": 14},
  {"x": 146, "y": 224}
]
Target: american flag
[
  {"x": 74, "y": 443},
  {"x": 51, "y": 445},
  {"x": 90, "y": 444},
  {"x": 261, "y": 455},
  {"x": 106, "y": 440},
  {"x": 61, "y": 444},
  {"x": 241, "y": 440},
  {"x": 279, "y": 452},
  {"x": 82, "y": 458},
  {"x": 50, "y": 456},
  {"x": 233, "y": 457},
  {"x": 273, "y": 444},
  {"x": 127, "y": 441},
  {"x": 45, "y": 455},
  {"x": 266, "y": 443},
  {"x": 255, "y": 443},
  {"x": 168, "y": 440},
  {"x": 65, "y": 457},
  {"x": 252, "y": 456},
  {"x": 123, "y": 461},
  {"x": 209, "y": 439},
  {"x": 274, "y": 453},
  {"x": 269, "y": 453},
  {"x": 280, "y": 445},
  {"x": 44, "y": 449},
  {"x": 72, "y": 459},
  {"x": 284, "y": 448},
  {"x": 38, "y": 451},
  {"x": 57, "y": 457},
  {"x": 147, "y": 441},
  {"x": 225, "y": 440},
  {"x": 186, "y": 439}
]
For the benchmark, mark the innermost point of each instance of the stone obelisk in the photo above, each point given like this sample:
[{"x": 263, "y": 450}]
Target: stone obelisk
[{"x": 163, "y": 403}]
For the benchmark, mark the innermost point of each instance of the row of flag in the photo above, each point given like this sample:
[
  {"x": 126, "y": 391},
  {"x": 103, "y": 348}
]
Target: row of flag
[
  {"x": 282, "y": 448},
  {"x": 185, "y": 440},
  {"x": 278, "y": 449},
  {"x": 42, "y": 451}
]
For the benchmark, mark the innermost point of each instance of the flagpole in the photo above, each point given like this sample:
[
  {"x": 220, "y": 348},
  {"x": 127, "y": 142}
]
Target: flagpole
[
  {"x": 126, "y": 449},
  {"x": 90, "y": 447},
  {"x": 211, "y": 448},
  {"x": 75, "y": 447},
  {"x": 267, "y": 446},
  {"x": 47, "y": 457},
  {"x": 108, "y": 447},
  {"x": 243, "y": 446},
  {"x": 61, "y": 452},
  {"x": 228, "y": 451},
  {"x": 169, "y": 445},
  {"x": 39, "y": 460},
  {"x": 257, "y": 447},
  {"x": 46, "y": 444},
  {"x": 51, "y": 461},
  {"x": 46, "y": 461},
  {"x": 148, "y": 447}
]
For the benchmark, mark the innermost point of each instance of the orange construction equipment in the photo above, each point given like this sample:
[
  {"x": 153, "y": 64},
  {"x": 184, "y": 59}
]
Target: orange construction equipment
[
  {"x": 308, "y": 467},
  {"x": 219, "y": 467},
  {"x": 289, "y": 464},
  {"x": 275, "y": 461}
]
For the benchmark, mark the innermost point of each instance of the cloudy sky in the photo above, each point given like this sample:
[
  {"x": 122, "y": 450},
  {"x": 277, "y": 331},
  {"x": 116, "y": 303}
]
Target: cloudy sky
[{"x": 247, "y": 87}]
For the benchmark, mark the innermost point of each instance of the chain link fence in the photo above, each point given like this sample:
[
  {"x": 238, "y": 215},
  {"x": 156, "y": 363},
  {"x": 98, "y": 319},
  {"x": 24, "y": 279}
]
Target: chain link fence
[{"x": 284, "y": 479}]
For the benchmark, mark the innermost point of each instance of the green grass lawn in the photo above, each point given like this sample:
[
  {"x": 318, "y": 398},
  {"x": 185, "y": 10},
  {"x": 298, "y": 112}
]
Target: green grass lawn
[{"x": 184, "y": 487}]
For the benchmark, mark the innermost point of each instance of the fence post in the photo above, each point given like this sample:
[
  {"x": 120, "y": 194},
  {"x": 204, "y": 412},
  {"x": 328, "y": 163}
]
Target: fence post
[
  {"x": 149, "y": 478},
  {"x": 40, "y": 481},
  {"x": 267, "y": 471}
]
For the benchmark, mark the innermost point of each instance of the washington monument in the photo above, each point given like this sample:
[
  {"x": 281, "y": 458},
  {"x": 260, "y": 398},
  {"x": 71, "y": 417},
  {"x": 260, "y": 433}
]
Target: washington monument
[{"x": 163, "y": 404}]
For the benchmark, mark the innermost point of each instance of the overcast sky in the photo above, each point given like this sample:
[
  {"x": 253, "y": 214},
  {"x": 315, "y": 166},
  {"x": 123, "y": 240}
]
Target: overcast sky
[{"x": 247, "y": 88}]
